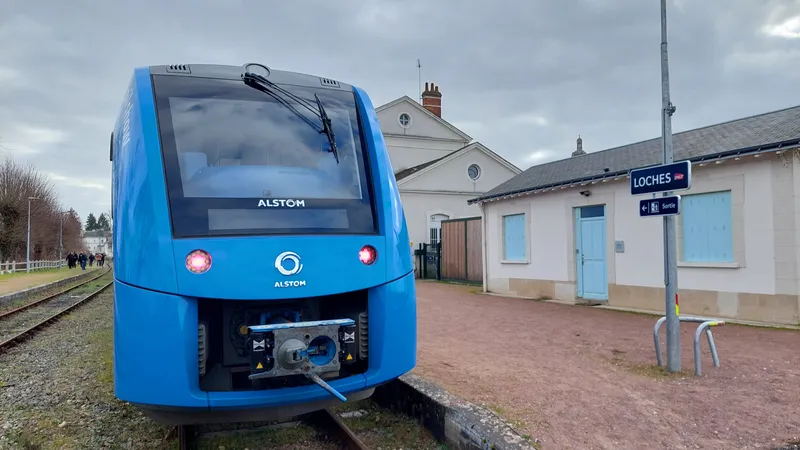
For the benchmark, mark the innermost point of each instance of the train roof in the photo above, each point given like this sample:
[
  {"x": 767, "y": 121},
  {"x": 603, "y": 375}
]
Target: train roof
[{"x": 229, "y": 72}]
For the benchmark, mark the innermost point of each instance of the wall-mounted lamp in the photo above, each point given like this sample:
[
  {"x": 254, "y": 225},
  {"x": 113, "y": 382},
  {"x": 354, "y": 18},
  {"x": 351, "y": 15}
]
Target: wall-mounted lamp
[{"x": 586, "y": 193}]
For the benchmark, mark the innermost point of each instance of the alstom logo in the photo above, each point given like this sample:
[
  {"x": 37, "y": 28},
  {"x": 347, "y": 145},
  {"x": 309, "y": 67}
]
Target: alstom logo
[
  {"x": 281, "y": 203},
  {"x": 293, "y": 267}
]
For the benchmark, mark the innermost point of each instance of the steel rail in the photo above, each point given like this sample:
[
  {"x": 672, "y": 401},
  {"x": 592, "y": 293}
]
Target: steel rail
[
  {"x": 330, "y": 422},
  {"x": 50, "y": 297},
  {"x": 19, "y": 337},
  {"x": 323, "y": 420}
]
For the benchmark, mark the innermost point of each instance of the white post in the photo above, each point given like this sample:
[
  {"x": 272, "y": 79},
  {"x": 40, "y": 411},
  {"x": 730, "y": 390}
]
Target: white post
[
  {"x": 60, "y": 239},
  {"x": 28, "y": 258}
]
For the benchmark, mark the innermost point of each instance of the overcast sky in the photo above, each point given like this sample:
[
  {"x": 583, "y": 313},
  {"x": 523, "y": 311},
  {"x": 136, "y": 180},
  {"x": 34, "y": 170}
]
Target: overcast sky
[{"x": 524, "y": 77}]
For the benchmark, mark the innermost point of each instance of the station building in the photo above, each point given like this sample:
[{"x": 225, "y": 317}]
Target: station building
[
  {"x": 570, "y": 230},
  {"x": 437, "y": 166},
  {"x": 98, "y": 241}
]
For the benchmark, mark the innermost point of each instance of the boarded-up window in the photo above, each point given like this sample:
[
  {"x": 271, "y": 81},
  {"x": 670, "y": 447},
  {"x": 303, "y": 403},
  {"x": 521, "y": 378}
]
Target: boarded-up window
[{"x": 514, "y": 244}]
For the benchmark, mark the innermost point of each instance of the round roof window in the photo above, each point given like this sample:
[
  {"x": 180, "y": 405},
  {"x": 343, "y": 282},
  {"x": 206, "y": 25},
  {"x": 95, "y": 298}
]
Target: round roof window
[
  {"x": 474, "y": 172},
  {"x": 405, "y": 120}
]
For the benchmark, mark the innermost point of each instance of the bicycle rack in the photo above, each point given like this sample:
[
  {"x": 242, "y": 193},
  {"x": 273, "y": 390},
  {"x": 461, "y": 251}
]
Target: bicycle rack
[{"x": 705, "y": 326}]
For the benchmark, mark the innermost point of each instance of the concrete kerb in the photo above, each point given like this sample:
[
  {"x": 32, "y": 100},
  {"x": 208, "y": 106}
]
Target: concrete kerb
[
  {"x": 791, "y": 446},
  {"x": 600, "y": 305},
  {"x": 460, "y": 424},
  {"x": 8, "y": 298}
]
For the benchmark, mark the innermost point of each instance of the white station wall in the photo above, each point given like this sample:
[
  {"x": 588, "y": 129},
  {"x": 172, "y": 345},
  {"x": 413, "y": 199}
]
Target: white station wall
[{"x": 551, "y": 238}]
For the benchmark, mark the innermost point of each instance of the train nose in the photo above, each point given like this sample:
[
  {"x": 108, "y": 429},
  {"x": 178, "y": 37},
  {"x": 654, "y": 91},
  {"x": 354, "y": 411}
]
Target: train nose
[{"x": 267, "y": 268}]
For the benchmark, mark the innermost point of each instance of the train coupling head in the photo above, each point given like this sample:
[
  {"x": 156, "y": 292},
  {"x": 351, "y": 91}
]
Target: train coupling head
[{"x": 302, "y": 348}]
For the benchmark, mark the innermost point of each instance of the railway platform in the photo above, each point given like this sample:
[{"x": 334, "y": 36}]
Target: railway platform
[{"x": 586, "y": 377}]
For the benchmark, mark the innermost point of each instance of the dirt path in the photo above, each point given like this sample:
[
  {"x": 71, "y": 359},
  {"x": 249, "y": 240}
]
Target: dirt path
[
  {"x": 18, "y": 281},
  {"x": 581, "y": 377}
]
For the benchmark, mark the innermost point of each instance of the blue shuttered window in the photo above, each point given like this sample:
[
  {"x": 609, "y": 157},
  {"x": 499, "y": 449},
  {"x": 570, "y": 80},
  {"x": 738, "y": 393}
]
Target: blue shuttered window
[
  {"x": 707, "y": 227},
  {"x": 514, "y": 244}
]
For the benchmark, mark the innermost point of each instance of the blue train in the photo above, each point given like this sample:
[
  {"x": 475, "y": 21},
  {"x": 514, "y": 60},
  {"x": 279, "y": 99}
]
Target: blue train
[{"x": 262, "y": 264}]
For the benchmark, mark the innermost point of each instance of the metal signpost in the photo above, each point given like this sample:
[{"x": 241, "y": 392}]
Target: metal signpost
[{"x": 664, "y": 179}]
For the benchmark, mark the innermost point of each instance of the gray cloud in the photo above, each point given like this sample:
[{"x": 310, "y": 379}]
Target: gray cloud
[{"x": 523, "y": 77}]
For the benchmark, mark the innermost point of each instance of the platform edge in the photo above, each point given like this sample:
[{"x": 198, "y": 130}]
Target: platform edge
[{"x": 460, "y": 424}]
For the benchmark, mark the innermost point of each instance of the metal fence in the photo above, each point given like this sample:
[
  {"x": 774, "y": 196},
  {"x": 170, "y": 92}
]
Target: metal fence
[{"x": 458, "y": 254}]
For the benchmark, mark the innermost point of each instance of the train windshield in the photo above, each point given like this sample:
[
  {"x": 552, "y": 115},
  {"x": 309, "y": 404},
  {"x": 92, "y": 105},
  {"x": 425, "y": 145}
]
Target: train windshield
[{"x": 239, "y": 162}]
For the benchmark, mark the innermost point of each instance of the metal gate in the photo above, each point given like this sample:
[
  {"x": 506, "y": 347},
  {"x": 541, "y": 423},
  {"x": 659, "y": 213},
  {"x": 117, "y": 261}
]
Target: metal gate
[
  {"x": 461, "y": 253},
  {"x": 429, "y": 260}
]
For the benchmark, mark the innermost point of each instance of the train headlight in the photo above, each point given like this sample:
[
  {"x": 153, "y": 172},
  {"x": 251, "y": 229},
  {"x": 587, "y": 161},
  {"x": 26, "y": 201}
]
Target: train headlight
[
  {"x": 198, "y": 261},
  {"x": 368, "y": 254}
]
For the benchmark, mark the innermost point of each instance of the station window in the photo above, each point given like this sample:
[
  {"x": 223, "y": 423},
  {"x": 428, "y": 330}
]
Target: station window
[
  {"x": 707, "y": 229},
  {"x": 514, "y": 238}
]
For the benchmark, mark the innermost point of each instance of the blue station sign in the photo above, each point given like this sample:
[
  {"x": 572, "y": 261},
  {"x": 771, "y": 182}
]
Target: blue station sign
[
  {"x": 660, "y": 206},
  {"x": 664, "y": 178}
]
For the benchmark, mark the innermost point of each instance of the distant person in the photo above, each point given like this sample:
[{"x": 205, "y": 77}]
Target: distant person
[{"x": 82, "y": 260}]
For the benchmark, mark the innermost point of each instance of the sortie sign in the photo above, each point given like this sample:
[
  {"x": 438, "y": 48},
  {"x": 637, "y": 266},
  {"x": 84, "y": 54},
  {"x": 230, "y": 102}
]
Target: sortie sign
[{"x": 660, "y": 206}]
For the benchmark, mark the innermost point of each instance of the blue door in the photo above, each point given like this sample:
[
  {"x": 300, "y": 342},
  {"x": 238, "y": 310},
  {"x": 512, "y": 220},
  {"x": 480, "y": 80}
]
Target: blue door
[{"x": 590, "y": 246}]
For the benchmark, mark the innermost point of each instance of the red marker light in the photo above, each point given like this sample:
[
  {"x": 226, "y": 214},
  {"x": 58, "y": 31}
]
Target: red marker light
[
  {"x": 368, "y": 254},
  {"x": 198, "y": 261}
]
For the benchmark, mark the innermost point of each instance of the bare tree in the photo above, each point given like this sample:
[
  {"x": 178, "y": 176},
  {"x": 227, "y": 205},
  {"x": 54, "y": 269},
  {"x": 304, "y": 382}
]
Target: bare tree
[
  {"x": 19, "y": 182},
  {"x": 72, "y": 231}
]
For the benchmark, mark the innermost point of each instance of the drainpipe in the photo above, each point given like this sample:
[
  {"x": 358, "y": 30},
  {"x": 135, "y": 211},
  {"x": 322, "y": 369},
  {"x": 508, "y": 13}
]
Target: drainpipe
[{"x": 483, "y": 243}]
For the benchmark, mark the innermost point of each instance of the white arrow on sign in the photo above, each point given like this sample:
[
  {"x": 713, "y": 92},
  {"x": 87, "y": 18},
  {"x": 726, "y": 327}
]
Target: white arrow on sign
[{"x": 644, "y": 207}]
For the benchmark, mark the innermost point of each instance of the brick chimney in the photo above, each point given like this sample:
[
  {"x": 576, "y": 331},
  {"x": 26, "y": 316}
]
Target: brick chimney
[
  {"x": 432, "y": 99},
  {"x": 579, "y": 151}
]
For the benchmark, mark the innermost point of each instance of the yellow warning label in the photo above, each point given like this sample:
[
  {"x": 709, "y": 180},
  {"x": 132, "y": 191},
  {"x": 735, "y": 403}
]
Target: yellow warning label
[
  {"x": 349, "y": 357},
  {"x": 259, "y": 366}
]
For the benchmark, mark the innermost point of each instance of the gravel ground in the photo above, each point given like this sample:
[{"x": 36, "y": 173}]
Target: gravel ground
[
  {"x": 56, "y": 391},
  {"x": 585, "y": 378}
]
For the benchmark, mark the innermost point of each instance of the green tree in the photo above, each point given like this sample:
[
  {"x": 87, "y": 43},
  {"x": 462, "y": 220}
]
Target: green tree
[
  {"x": 91, "y": 222},
  {"x": 102, "y": 223}
]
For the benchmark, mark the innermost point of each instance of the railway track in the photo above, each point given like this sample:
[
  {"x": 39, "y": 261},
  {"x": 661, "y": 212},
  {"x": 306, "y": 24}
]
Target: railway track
[
  {"x": 23, "y": 322},
  {"x": 330, "y": 426}
]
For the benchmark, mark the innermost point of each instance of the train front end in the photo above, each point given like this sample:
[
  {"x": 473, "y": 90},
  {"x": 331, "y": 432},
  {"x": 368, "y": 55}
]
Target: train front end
[{"x": 262, "y": 262}]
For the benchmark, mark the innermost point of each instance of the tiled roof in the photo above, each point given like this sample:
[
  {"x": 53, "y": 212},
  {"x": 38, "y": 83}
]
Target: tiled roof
[
  {"x": 745, "y": 135},
  {"x": 412, "y": 170}
]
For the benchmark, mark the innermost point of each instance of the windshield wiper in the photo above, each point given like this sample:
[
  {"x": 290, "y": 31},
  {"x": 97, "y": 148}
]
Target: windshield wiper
[
  {"x": 262, "y": 84},
  {"x": 327, "y": 128}
]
